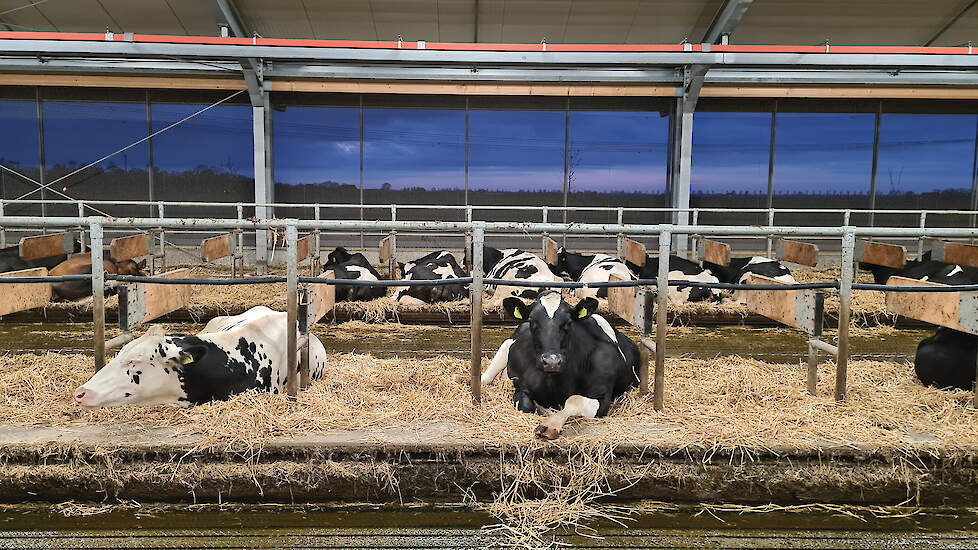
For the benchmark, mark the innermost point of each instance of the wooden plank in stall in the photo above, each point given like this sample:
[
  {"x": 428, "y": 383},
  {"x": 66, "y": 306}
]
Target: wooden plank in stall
[
  {"x": 877, "y": 253},
  {"x": 303, "y": 248},
  {"x": 550, "y": 251},
  {"x": 387, "y": 249},
  {"x": 956, "y": 310},
  {"x": 798, "y": 252},
  {"x": 952, "y": 253},
  {"x": 147, "y": 301},
  {"x": 216, "y": 248},
  {"x": 322, "y": 298},
  {"x": 45, "y": 246},
  {"x": 716, "y": 252},
  {"x": 21, "y": 296},
  {"x": 629, "y": 303},
  {"x": 800, "y": 309},
  {"x": 127, "y": 248},
  {"x": 635, "y": 252}
]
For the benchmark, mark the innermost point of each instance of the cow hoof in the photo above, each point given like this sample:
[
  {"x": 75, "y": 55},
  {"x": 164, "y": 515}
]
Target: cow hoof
[{"x": 546, "y": 432}]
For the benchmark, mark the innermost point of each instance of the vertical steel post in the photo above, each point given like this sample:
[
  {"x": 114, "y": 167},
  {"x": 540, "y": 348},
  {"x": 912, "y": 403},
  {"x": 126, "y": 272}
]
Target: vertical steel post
[
  {"x": 661, "y": 322},
  {"x": 238, "y": 244},
  {"x": 316, "y": 243},
  {"x": 694, "y": 242},
  {"x": 81, "y": 234},
  {"x": 149, "y": 154},
  {"x": 475, "y": 366},
  {"x": 98, "y": 292},
  {"x": 261, "y": 187},
  {"x": 621, "y": 236},
  {"x": 770, "y": 239},
  {"x": 812, "y": 382},
  {"x": 682, "y": 152},
  {"x": 876, "y": 159},
  {"x": 466, "y": 149},
  {"x": 292, "y": 301},
  {"x": 361, "y": 167},
  {"x": 770, "y": 154},
  {"x": 920, "y": 240},
  {"x": 3, "y": 230},
  {"x": 567, "y": 176},
  {"x": 303, "y": 319},
  {"x": 41, "y": 151},
  {"x": 845, "y": 299},
  {"x": 159, "y": 207}
]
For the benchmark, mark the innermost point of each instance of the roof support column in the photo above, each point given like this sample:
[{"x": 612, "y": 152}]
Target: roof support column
[
  {"x": 681, "y": 151},
  {"x": 264, "y": 177}
]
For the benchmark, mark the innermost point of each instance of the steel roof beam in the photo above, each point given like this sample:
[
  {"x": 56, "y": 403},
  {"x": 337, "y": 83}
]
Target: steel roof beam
[
  {"x": 252, "y": 68},
  {"x": 726, "y": 20},
  {"x": 53, "y": 48}
]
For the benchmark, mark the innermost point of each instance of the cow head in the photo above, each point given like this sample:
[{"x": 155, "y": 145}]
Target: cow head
[
  {"x": 338, "y": 256},
  {"x": 129, "y": 267},
  {"x": 146, "y": 371},
  {"x": 550, "y": 319}
]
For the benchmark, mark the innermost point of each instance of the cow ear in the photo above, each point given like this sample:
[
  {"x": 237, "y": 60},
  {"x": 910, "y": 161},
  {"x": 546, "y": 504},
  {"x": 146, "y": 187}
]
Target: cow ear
[
  {"x": 188, "y": 354},
  {"x": 516, "y": 307},
  {"x": 585, "y": 308},
  {"x": 141, "y": 264},
  {"x": 155, "y": 330}
]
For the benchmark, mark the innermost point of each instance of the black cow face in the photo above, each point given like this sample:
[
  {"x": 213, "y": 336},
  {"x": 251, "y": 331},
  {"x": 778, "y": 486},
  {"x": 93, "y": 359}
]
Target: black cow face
[
  {"x": 338, "y": 256},
  {"x": 560, "y": 268},
  {"x": 550, "y": 319}
]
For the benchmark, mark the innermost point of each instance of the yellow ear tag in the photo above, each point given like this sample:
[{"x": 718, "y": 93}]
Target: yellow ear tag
[
  {"x": 188, "y": 359},
  {"x": 582, "y": 314},
  {"x": 517, "y": 314}
]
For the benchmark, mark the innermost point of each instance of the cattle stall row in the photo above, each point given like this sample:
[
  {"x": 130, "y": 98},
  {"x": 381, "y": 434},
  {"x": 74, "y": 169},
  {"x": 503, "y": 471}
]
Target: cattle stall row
[{"x": 556, "y": 340}]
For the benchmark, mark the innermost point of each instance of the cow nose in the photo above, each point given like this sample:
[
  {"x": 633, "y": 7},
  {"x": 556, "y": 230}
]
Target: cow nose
[
  {"x": 80, "y": 394},
  {"x": 551, "y": 362}
]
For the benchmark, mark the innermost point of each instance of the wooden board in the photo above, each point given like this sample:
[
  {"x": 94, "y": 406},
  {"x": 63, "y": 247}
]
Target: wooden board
[
  {"x": 952, "y": 253},
  {"x": 216, "y": 248},
  {"x": 303, "y": 248},
  {"x": 635, "y": 252},
  {"x": 45, "y": 246},
  {"x": 629, "y": 303},
  {"x": 876, "y": 253},
  {"x": 387, "y": 249},
  {"x": 22, "y": 296},
  {"x": 550, "y": 251},
  {"x": 716, "y": 252},
  {"x": 956, "y": 310},
  {"x": 127, "y": 248},
  {"x": 800, "y": 309},
  {"x": 147, "y": 301},
  {"x": 798, "y": 252},
  {"x": 322, "y": 298}
]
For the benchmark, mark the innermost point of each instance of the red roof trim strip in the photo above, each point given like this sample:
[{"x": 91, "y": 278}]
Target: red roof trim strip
[{"x": 367, "y": 44}]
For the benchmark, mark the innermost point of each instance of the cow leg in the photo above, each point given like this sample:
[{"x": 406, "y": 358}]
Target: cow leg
[
  {"x": 576, "y": 405},
  {"x": 498, "y": 363},
  {"x": 523, "y": 402}
]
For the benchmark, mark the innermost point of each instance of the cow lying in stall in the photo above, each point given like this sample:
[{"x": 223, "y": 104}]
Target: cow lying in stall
[
  {"x": 10, "y": 259},
  {"x": 564, "y": 357},
  {"x": 231, "y": 355},
  {"x": 593, "y": 268},
  {"x": 946, "y": 359},
  {"x": 681, "y": 269},
  {"x": 81, "y": 265},
  {"x": 436, "y": 266},
  {"x": 740, "y": 268},
  {"x": 514, "y": 264},
  {"x": 353, "y": 267}
]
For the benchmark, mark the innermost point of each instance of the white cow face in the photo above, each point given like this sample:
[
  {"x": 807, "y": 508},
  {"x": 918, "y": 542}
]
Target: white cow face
[{"x": 145, "y": 372}]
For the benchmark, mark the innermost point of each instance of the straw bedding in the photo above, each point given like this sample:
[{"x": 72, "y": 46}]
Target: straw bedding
[{"x": 724, "y": 403}]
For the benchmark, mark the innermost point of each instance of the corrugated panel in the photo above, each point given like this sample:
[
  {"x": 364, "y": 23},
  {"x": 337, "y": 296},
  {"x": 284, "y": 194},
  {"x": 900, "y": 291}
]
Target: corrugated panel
[
  {"x": 146, "y": 17},
  {"x": 199, "y": 18},
  {"x": 867, "y": 22}
]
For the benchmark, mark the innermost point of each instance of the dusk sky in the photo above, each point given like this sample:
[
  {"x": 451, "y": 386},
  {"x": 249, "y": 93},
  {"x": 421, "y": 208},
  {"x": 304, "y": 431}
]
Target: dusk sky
[{"x": 513, "y": 150}]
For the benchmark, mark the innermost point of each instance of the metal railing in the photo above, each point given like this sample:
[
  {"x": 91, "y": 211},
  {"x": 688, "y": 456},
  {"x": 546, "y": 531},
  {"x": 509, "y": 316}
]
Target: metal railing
[{"x": 478, "y": 230}]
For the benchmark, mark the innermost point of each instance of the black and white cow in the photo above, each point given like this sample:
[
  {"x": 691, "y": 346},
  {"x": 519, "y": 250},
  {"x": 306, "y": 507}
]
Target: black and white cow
[
  {"x": 436, "y": 266},
  {"x": 593, "y": 268},
  {"x": 924, "y": 269},
  {"x": 681, "y": 269},
  {"x": 740, "y": 268},
  {"x": 355, "y": 267},
  {"x": 515, "y": 264},
  {"x": 564, "y": 357},
  {"x": 230, "y": 356}
]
